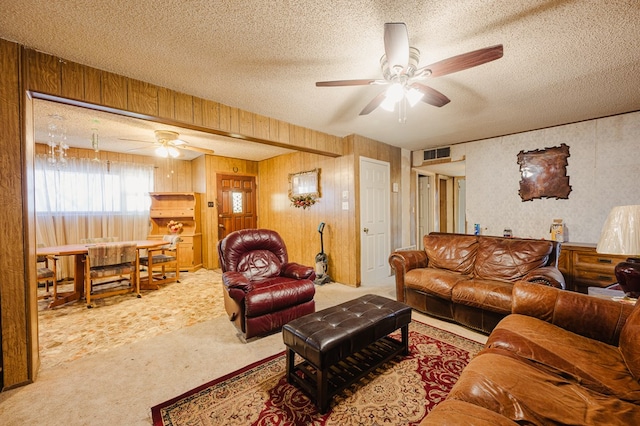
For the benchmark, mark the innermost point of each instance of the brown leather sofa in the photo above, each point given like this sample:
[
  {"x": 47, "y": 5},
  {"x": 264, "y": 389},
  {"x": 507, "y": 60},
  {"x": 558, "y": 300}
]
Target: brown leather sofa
[
  {"x": 262, "y": 289},
  {"x": 469, "y": 278},
  {"x": 561, "y": 358}
]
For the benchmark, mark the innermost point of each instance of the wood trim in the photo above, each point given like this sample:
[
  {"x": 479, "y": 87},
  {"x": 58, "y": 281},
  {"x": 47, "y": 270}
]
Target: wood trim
[
  {"x": 85, "y": 86},
  {"x": 15, "y": 321}
]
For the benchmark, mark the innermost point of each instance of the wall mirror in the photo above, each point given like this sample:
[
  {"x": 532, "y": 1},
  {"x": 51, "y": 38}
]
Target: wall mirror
[{"x": 305, "y": 183}]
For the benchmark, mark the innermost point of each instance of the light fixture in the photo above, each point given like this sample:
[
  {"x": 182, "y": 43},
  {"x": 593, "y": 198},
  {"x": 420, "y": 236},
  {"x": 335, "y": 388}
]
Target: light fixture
[
  {"x": 57, "y": 141},
  {"x": 165, "y": 151},
  {"x": 413, "y": 96},
  {"x": 400, "y": 93},
  {"x": 162, "y": 151},
  {"x": 621, "y": 235},
  {"x": 94, "y": 145}
]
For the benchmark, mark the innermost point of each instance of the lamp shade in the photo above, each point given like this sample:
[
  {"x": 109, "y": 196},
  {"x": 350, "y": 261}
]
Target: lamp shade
[{"x": 621, "y": 232}]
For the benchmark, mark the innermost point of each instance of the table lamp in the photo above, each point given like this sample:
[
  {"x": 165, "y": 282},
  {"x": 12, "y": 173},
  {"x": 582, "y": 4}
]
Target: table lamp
[{"x": 621, "y": 235}]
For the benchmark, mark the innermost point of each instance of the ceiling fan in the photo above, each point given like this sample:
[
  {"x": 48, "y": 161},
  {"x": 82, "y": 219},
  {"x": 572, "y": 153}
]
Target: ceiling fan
[
  {"x": 169, "y": 144},
  {"x": 400, "y": 70}
]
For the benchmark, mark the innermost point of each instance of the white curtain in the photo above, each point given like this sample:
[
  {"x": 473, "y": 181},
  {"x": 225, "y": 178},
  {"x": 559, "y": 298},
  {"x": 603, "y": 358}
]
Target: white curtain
[{"x": 88, "y": 199}]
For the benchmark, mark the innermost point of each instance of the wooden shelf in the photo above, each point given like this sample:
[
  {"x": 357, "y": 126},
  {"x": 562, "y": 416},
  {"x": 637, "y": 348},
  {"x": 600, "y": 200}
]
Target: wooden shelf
[{"x": 183, "y": 207}]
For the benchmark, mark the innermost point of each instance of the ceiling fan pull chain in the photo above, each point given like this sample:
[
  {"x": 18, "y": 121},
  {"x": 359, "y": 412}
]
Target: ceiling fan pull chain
[{"x": 402, "y": 110}]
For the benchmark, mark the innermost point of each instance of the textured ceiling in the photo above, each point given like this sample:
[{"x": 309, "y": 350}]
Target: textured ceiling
[{"x": 564, "y": 61}]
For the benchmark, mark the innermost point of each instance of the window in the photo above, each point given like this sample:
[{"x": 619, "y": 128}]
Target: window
[
  {"x": 236, "y": 198},
  {"x": 84, "y": 186}
]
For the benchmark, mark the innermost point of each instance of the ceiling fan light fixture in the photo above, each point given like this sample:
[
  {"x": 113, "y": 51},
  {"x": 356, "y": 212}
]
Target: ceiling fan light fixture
[
  {"x": 395, "y": 92},
  {"x": 414, "y": 96},
  {"x": 162, "y": 151},
  {"x": 388, "y": 104},
  {"x": 173, "y": 152}
]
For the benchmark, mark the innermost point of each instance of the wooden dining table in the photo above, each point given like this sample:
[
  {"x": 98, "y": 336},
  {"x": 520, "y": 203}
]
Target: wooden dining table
[{"x": 79, "y": 252}]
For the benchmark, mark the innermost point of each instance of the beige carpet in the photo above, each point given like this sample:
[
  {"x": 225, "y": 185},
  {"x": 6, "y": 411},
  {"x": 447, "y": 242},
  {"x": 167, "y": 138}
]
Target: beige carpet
[
  {"x": 119, "y": 385},
  {"x": 72, "y": 331}
]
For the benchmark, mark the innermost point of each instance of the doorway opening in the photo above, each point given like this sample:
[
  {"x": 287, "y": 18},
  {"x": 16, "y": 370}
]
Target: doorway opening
[{"x": 440, "y": 199}]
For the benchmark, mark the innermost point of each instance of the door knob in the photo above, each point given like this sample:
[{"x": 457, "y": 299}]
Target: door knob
[
  {"x": 366, "y": 230},
  {"x": 220, "y": 225}
]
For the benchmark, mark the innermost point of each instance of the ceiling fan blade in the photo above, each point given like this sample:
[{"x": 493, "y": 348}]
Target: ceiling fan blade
[
  {"x": 136, "y": 140},
  {"x": 396, "y": 45},
  {"x": 349, "y": 83},
  {"x": 463, "y": 61},
  {"x": 196, "y": 149},
  {"x": 431, "y": 96},
  {"x": 375, "y": 103}
]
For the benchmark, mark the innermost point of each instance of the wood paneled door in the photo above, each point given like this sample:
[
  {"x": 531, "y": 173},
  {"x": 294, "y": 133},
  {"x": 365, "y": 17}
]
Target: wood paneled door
[{"x": 236, "y": 203}]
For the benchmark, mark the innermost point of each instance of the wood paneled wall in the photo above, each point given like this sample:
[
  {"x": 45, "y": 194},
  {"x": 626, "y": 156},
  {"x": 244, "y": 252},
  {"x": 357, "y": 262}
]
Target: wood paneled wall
[
  {"x": 338, "y": 178},
  {"x": 52, "y": 76},
  {"x": 205, "y": 169},
  {"x": 16, "y": 326},
  {"x": 23, "y": 70},
  {"x": 297, "y": 226}
]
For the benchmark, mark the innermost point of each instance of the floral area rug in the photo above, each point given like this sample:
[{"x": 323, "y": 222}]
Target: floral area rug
[{"x": 400, "y": 392}]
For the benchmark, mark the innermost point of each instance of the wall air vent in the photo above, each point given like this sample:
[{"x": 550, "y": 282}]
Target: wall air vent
[{"x": 436, "y": 153}]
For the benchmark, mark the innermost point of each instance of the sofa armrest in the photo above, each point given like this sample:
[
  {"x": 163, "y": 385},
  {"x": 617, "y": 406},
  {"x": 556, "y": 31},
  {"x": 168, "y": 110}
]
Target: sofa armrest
[
  {"x": 403, "y": 261},
  {"x": 297, "y": 271},
  {"x": 588, "y": 316},
  {"x": 236, "y": 280},
  {"x": 546, "y": 275}
]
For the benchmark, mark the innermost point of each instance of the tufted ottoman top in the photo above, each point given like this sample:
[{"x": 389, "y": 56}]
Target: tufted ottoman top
[{"x": 330, "y": 335}]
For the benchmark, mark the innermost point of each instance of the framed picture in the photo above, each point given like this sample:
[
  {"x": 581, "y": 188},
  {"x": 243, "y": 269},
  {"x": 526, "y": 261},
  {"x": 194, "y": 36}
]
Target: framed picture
[
  {"x": 305, "y": 184},
  {"x": 543, "y": 173}
]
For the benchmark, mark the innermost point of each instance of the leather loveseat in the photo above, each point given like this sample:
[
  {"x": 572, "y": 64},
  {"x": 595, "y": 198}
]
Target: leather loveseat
[
  {"x": 561, "y": 358},
  {"x": 469, "y": 278},
  {"x": 262, "y": 289}
]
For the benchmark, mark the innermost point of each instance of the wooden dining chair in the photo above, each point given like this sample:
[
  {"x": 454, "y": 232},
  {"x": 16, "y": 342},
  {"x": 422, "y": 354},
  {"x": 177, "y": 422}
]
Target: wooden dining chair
[
  {"x": 166, "y": 259},
  {"x": 108, "y": 260},
  {"x": 47, "y": 271}
]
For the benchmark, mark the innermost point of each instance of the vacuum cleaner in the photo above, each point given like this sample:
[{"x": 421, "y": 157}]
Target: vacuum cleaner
[{"x": 321, "y": 261}]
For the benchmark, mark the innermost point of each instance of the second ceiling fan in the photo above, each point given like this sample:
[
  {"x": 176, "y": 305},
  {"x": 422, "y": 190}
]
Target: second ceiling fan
[
  {"x": 400, "y": 70},
  {"x": 169, "y": 144}
]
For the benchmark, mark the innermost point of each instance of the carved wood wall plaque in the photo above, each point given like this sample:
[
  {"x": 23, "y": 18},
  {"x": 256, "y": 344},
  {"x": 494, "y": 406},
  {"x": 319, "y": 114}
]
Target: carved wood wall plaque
[{"x": 544, "y": 173}]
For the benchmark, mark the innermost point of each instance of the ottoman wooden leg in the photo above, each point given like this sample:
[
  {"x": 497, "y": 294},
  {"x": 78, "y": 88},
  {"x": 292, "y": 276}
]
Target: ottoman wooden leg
[
  {"x": 322, "y": 399},
  {"x": 291, "y": 357},
  {"x": 405, "y": 339}
]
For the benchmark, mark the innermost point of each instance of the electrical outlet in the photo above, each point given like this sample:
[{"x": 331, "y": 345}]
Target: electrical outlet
[{"x": 210, "y": 204}]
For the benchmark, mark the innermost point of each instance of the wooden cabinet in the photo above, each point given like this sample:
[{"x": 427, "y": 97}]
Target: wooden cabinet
[
  {"x": 582, "y": 267},
  {"x": 183, "y": 207}
]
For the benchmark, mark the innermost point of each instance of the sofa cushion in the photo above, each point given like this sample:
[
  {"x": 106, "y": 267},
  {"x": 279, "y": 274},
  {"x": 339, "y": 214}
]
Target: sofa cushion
[
  {"x": 455, "y": 253},
  {"x": 454, "y": 412},
  {"x": 509, "y": 259},
  {"x": 491, "y": 295},
  {"x": 259, "y": 264},
  {"x": 517, "y": 389},
  {"x": 591, "y": 363},
  {"x": 630, "y": 343},
  {"x": 435, "y": 281}
]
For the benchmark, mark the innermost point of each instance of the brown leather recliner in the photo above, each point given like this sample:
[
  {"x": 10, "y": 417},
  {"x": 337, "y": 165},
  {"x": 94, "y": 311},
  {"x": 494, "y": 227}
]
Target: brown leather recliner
[{"x": 262, "y": 289}]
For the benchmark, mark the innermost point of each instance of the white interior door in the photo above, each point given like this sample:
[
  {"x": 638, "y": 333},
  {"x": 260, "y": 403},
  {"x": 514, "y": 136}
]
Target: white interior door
[{"x": 374, "y": 220}]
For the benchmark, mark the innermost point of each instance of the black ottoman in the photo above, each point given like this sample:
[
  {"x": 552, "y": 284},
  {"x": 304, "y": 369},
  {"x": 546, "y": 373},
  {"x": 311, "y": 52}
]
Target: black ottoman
[{"x": 341, "y": 344}]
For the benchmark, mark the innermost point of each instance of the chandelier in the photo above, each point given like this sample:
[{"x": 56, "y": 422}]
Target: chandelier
[{"x": 57, "y": 141}]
